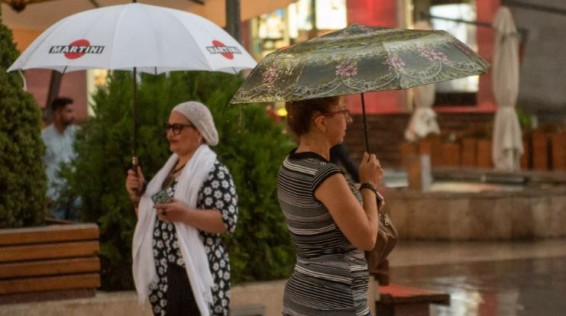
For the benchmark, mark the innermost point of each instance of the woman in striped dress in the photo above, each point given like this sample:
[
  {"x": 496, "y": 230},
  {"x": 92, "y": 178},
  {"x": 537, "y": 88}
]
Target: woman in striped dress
[{"x": 331, "y": 221}]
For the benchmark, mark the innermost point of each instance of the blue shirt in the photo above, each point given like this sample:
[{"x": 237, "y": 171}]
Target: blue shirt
[{"x": 59, "y": 149}]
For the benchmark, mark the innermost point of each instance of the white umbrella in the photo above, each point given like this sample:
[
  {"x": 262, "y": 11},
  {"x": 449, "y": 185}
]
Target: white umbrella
[
  {"x": 135, "y": 37},
  {"x": 150, "y": 38},
  {"x": 507, "y": 140},
  {"x": 423, "y": 120}
]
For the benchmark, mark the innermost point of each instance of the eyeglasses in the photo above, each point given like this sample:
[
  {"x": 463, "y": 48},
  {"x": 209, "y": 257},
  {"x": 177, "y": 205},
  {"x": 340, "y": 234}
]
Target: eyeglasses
[
  {"x": 346, "y": 112},
  {"x": 176, "y": 128}
]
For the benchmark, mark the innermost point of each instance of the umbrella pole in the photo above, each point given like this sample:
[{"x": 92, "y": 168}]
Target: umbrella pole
[
  {"x": 134, "y": 105},
  {"x": 135, "y": 118},
  {"x": 365, "y": 123},
  {"x": 135, "y": 162}
]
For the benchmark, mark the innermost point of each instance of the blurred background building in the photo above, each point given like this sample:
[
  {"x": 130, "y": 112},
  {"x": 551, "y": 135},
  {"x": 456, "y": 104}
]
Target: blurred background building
[{"x": 265, "y": 26}]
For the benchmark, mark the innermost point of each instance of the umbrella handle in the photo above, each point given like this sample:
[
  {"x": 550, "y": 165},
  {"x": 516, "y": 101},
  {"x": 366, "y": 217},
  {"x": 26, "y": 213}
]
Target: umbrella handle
[
  {"x": 135, "y": 163},
  {"x": 134, "y": 166}
]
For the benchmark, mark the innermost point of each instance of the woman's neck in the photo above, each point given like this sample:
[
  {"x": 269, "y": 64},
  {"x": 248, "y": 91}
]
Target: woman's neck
[
  {"x": 183, "y": 160},
  {"x": 311, "y": 144}
]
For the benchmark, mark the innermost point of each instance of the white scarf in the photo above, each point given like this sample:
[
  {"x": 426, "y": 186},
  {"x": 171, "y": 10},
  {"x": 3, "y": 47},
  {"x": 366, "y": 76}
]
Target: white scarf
[{"x": 194, "y": 255}]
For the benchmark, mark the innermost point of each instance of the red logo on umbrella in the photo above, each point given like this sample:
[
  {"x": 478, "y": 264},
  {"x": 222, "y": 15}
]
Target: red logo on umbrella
[
  {"x": 226, "y": 51},
  {"x": 76, "y": 49}
]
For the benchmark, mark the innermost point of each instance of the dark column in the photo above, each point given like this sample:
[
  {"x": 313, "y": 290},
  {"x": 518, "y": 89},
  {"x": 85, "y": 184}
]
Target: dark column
[
  {"x": 52, "y": 94},
  {"x": 233, "y": 19}
]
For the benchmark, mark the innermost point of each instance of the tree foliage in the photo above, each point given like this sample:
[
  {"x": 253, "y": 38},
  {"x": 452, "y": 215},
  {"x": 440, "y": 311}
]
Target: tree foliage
[
  {"x": 251, "y": 145},
  {"x": 22, "y": 177}
]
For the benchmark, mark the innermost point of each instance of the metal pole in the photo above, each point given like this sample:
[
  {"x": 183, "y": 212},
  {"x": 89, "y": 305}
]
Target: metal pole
[
  {"x": 314, "y": 29},
  {"x": 233, "y": 19},
  {"x": 135, "y": 119},
  {"x": 365, "y": 123}
]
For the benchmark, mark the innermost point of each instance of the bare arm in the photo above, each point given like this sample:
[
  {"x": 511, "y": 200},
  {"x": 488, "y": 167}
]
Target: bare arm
[{"x": 359, "y": 224}]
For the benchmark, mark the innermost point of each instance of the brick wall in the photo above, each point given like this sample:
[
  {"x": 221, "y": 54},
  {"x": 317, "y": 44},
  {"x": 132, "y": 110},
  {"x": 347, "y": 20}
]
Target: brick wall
[{"x": 386, "y": 132}]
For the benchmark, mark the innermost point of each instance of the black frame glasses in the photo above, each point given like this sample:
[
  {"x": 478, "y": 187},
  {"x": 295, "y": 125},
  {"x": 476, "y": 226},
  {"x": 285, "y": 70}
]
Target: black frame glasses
[{"x": 176, "y": 128}]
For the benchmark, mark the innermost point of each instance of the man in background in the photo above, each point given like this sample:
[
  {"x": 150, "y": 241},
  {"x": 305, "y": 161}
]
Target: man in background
[{"x": 59, "y": 139}]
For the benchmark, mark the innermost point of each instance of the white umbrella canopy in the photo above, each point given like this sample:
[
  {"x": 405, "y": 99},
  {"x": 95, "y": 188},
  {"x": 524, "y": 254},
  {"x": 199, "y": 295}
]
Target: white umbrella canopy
[
  {"x": 135, "y": 37},
  {"x": 150, "y": 38},
  {"x": 507, "y": 137}
]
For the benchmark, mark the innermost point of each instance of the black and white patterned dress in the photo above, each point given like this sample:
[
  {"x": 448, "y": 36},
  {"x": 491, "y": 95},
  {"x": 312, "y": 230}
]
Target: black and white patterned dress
[
  {"x": 217, "y": 192},
  {"x": 330, "y": 275}
]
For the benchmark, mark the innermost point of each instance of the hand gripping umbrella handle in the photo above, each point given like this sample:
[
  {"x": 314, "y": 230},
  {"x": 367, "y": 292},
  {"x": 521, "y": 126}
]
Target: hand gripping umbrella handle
[{"x": 134, "y": 167}]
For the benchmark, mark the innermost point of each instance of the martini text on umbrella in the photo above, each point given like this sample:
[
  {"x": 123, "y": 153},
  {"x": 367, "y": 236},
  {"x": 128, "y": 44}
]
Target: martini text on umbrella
[{"x": 76, "y": 49}]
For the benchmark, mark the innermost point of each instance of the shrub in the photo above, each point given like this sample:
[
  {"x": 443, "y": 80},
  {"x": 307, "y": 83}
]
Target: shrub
[
  {"x": 251, "y": 145},
  {"x": 22, "y": 177}
]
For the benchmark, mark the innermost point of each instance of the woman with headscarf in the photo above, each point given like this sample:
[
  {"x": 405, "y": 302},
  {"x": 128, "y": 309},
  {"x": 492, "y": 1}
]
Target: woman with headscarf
[
  {"x": 179, "y": 260},
  {"x": 331, "y": 220}
]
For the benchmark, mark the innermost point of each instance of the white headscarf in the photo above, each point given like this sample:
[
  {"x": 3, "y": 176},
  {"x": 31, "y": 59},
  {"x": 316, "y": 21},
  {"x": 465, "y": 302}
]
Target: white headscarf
[{"x": 201, "y": 118}]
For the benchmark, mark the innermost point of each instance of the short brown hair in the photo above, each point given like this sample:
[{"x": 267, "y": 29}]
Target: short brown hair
[
  {"x": 60, "y": 103},
  {"x": 300, "y": 113}
]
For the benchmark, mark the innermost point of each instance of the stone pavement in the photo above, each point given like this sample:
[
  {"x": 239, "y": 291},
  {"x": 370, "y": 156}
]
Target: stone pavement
[
  {"x": 487, "y": 278},
  {"x": 483, "y": 279}
]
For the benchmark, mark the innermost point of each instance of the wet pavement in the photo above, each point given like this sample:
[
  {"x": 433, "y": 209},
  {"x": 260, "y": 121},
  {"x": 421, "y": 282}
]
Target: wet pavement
[{"x": 487, "y": 278}]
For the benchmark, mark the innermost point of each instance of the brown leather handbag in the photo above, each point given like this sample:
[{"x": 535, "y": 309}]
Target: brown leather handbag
[{"x": 386, "y": 241}]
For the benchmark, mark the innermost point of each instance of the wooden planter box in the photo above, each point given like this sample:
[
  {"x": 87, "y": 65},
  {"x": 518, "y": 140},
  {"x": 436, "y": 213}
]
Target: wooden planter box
[
  {"x": 558, "y": 145},
  {"x": 451, "y": 154},
  {"x": 484, "y": 156},
  {"x": 408, "y": 151},
  {"x": 469, "y": 152},
  {"x": 525, "y": 159},
  {"x": 433, "y": 148},
  {"x": 540, "y": 150},
  {"x": 49, "y": 262}
]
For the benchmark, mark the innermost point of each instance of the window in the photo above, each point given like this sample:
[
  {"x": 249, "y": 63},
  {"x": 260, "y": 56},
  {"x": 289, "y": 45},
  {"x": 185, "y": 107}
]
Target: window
[{"x": 451, "y": 16}]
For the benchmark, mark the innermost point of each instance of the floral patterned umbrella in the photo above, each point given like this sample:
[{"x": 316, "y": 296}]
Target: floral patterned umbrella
[{"x": 359, "y": 59}]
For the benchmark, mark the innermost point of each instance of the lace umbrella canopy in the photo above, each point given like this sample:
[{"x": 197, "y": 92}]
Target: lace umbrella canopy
[{"x": 359, "y": 59}]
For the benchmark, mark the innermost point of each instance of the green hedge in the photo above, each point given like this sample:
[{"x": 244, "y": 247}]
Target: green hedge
[
  {"x": 22, "y": 177},
  {"x": 251, "y": 145}
]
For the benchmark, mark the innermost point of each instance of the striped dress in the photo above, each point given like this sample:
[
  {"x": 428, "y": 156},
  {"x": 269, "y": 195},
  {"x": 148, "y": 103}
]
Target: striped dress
[{"x": 330, "y": 276}]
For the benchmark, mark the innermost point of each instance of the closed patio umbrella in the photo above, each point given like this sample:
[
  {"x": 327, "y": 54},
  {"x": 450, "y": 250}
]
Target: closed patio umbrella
[
  {"x": 507, "y": 138},
  {"x": 423, "y": 120}
]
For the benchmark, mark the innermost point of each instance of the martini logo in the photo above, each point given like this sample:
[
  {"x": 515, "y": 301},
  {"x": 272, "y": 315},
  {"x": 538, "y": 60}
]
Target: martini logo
[
  {"x": 76, "y": 49},
  {"x": 226, "y": 51}
]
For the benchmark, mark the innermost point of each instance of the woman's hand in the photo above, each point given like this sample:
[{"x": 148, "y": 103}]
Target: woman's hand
[
  {"x": 370, "y": 170},
  {"x": 209, "y": 220},
  {"x": 174, "y": 211},
  {"x": 135, "y": 182}
]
